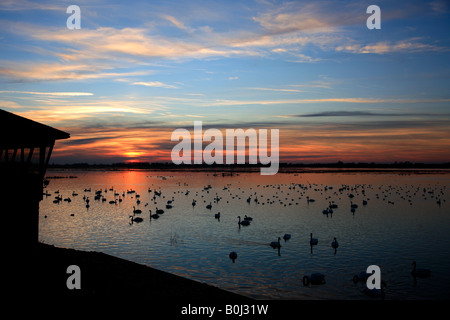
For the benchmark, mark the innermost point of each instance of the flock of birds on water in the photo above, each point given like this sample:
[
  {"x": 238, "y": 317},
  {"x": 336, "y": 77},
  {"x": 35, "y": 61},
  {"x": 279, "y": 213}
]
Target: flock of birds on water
[{"x": 346, "y": 191}]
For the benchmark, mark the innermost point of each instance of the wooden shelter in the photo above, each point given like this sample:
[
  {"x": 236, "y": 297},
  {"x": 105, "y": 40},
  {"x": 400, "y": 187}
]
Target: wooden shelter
[{"x": 25, "y": 150}]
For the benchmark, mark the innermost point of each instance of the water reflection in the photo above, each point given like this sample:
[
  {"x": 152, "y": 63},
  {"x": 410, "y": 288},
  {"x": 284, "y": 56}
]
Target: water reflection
[{"x": 191, "y": 217}]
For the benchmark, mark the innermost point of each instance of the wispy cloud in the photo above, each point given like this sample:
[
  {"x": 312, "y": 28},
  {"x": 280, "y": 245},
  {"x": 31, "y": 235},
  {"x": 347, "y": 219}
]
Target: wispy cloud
[
  {"x": 55, "y": 71},
  {"x": 342, "y": 113},
  {"x": 293, "y": 17},
  {"x": 155, "y": 84},
  {"x": 276, "y": 89},
  {"x": 18, "y": 5},
  {"x": 323, "y": 100},
  {"x": 177, "y": 23},
  {"x": 69, "y": 94},
  {"x": 410, "y": 45}
]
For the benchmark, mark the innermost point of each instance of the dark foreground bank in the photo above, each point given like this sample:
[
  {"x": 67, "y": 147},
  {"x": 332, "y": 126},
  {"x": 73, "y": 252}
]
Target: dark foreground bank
[
  {"x": 103, "y": 276},
  {"x": 110, "y": 285}
]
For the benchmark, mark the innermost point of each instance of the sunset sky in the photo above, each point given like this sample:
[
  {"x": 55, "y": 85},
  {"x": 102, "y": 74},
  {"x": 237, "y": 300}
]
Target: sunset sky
[{"x": 138, "y": 70}]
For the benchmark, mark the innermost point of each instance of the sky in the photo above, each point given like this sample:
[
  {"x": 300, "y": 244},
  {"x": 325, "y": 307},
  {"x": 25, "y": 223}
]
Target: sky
[{"x": 138, "y": 70}]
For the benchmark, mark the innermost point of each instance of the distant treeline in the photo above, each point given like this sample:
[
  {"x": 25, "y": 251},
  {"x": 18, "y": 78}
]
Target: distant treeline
[{"x": 286, "y": 166}]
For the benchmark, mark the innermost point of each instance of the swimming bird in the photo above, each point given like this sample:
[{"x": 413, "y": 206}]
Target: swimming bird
[
  {"x": 376, "y": 293},
  {"x": 154, "y": 216},
  {"x": 420, "y": 273},
  {"x": 244, "y": 222},
  {"x": 334, "y": 244},
  {"x": 136, "y": 219},
  {"x": 362, "y": 276},
  {"x": 333, "y": 205},
  {"x": 233, "y": 256},
  {"x": 286, "y": 237},
  {"x": 315, "y": 278},
  {"x": 159, "y": 211},
  {"x": 209, "y": 206},
  {"x": 313, "y": 241},
  {"x": 136, "y": 210},
  {"x": 248, "y": 218},
  {"x": 276, "y": 244},
  {"x": 217, "y": 215}
]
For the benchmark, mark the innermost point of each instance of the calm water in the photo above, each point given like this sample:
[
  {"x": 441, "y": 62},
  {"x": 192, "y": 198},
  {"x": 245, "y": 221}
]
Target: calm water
[{"x": 401, "y": 223}]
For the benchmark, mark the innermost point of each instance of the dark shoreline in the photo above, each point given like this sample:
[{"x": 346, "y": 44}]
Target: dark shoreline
[
  {"x": 223, "y": 170},
  {"x": 283, "y": 167},
  {"x": 105, "y": 276}
]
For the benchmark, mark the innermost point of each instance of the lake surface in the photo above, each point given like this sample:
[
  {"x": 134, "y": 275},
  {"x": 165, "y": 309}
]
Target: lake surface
[{"x": 402, "y": 222}]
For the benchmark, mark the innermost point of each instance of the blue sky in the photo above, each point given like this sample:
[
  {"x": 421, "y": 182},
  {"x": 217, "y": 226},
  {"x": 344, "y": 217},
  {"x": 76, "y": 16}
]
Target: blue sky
[{"x": 137, "y": 70}]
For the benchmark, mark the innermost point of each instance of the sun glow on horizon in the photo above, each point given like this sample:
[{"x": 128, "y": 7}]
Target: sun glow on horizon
[{"x": 333, "y": 88}]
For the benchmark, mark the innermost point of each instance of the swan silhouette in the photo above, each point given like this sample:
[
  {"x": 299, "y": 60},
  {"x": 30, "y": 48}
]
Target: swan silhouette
[
  {"x": 244, "y": 222},
  {"x": 233, "y": 256},
  {"x": 376, "y": 293},
  {"x": 136, "y": 210},
  {"x": 420, "y": 273},
  {"x": 154, "y": 216},
  {"x": 334, "y": 244},
  {"x": 313, "y": 241},
  {"x": 315, "y": 278},
  {"x": 136, "y": 219},
  {"x": 362, "y": 276},
  {"x": 276, "y": 244},
  {"x": 286, "y": 236}
]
